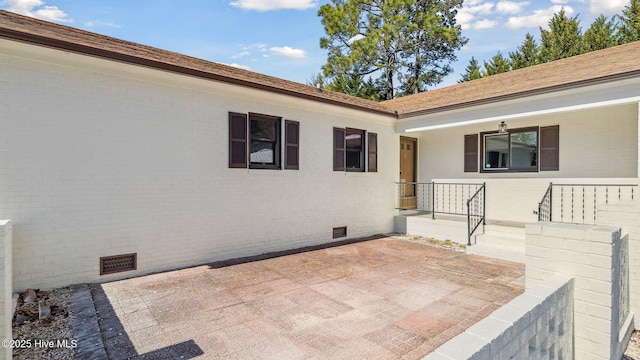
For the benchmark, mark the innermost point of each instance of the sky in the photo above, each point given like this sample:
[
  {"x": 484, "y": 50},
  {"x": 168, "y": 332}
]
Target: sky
[{"x": 281, "y": 37}]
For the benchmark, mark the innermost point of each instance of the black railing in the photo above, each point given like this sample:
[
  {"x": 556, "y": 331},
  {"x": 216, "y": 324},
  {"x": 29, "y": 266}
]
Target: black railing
[
  {"x": 544, "y": 206},
  {"x": 444, "y": 198},
  {"x": 475, "y": 212},
  {"x": 578, "y": 203}
]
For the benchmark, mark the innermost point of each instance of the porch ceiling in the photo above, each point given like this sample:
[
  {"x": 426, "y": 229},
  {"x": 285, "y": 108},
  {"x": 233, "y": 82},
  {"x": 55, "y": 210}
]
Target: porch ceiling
[{"x": 601, "y": 95}]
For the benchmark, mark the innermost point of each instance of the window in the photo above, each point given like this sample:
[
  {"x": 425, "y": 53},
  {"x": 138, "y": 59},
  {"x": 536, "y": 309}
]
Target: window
[
  {"x": 526, "y": 149},
  {"x": 264, "y": 142},
  {"x": 349, "y": 148},
  {"x": 354, "y": 148},
  {"x": 255, "y": 141},
  {"x": 516, "y": 150}
]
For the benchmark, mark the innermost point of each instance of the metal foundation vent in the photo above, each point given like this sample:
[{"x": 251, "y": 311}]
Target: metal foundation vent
[
  {"x": 339, "y": 232},
  {"x": 118, "y": 263}
]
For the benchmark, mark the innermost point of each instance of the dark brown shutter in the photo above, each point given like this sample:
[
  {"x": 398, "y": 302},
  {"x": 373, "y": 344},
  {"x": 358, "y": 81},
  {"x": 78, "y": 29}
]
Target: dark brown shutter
[
  {"x": 237, "y": 140},
  {"x": 373, "y": 152},
  {"x": 338, "y": 149},
  {"x": 550, "y": 148},
  {"x": 471, "y": 153},
  {"x": 292, "y": 144}
]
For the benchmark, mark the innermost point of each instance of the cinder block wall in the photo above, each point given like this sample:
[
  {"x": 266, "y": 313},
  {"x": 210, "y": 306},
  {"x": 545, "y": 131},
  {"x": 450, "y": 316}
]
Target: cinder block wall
[
  {"x": 102, "y": 158},
  {"x": 597, "y": 258},
  {"x": 6, "y": 285},
  {"x": 536, "y": 325},
  {"x": 627, "y": 216}
]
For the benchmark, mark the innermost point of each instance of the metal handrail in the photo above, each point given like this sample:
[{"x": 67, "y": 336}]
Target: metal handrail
[
  {"x": 445, "y": 198},
  {"x": 578, "y": 203},
  {"x": 544, "y": 206},
  {"x": 479, "y": 218}
]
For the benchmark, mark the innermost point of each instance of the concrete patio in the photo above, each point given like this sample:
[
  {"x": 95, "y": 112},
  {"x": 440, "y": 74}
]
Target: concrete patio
[{"x": 380, "y": 299}]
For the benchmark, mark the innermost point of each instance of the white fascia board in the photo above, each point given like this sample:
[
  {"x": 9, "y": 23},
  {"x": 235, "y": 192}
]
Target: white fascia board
[{"x": 609, "y": 94}]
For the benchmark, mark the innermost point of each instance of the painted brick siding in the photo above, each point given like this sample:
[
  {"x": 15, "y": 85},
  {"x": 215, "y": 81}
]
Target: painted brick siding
[
  {"x": 6, "y": 285},
  {"x": 596, "y": 146},
  {"x": 536, "y": 325},
  {"x": 627, "y": 216},
  {"x": 591, "y": 255},
  {"x": 102, "y": 159}
]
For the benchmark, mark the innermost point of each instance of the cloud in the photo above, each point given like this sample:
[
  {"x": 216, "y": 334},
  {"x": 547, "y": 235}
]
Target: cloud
[
  {"x": 267, "y": 5},
  {"x": 470, "y": 10},
  {"x": 609, "y": 7},
  {"x": 484, "y": 24},
  {"x": 239, "y": 55},
  {"x": 510, "y": 7},
  {"x": 99, "y": 23},
  {"x": 243, "y": 67},
  {"x": 355, "y": 38},
  {"x": 288, "y": 52},
  {"x": 37, "y": 9},
  {"x": 539, "y": 17},
  {"x": 260, "y": 46}
]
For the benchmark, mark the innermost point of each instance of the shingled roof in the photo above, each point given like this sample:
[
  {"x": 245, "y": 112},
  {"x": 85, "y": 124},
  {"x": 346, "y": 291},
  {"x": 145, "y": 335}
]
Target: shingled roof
[
  {"x": 595, "y": 67},
  {"x": 30, "y": 30},
  {"x": 614, "y": 63}
]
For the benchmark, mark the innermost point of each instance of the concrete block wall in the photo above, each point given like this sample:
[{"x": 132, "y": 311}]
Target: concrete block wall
[
  {"x": 627, "y": 216},
  {"x": 6, "y": 285},
  {"x": 590, "y": 254},
  {"x": 103, "y": 158},
  {"x": 536, "y": 325}
]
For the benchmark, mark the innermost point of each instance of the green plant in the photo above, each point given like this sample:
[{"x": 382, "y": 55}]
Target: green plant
[{"x": 447, "y": 243}]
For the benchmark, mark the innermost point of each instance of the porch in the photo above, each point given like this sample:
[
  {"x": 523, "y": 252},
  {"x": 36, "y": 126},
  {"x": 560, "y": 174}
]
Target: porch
[{"x": 458, "y": 211}]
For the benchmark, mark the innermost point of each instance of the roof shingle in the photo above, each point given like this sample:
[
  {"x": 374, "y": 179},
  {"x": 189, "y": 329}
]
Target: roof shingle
[
  {"x": 594, "y": 67},
  {"x": 32, "y": 30},
  {"x": 598, "y": 66}
]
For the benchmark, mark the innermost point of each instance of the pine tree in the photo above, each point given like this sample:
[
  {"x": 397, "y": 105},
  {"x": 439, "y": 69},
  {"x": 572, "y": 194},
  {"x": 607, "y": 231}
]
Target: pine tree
[
  {"x": 528, "y": 54},
  {"x": 432, "y": 44},
  {"x": 600, "y": 35},
  {"x": 473, "y": 71},
  {"x": 409, "y": 40},
  {"x": 498, "y": 64},
  {"x": 629, "y": 27},
  {"x": 562, "y": 40}
]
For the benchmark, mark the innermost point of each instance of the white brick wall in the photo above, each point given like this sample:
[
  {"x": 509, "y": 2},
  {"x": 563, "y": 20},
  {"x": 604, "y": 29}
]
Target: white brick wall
[
  {"x": 592, "y": 255},
  {"x": 596, "y": 146},
  {"x": 536, "y": 325},
  {"x": 6, "y": 285},
  {"x": 627, "y": 216},
  {"x": 102, "y": 158}
]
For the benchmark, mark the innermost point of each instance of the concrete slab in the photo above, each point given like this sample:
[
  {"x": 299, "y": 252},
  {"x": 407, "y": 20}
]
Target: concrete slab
[{"x": 380, "y": 299}]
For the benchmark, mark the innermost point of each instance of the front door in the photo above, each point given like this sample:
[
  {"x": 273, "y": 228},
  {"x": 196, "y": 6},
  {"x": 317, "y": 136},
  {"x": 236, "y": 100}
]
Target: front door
[{"x": 408, "y": 172}]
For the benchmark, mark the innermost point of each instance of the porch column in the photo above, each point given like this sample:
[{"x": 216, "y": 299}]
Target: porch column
[{"x": 638, "y": 144}]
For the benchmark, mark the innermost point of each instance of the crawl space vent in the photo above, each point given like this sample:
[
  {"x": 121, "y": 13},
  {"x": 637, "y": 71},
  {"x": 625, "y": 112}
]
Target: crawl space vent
[
  {"x": 118, "y": 263},
  {"x": 339, "y": 232}
]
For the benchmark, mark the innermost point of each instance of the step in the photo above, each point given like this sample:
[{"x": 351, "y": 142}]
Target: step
[
  {"x": 502, "y": 229},
  {"x": 501, "y": 239},
  {"x": 513, "y": 254},
  {"x": 500, "y": 245}
]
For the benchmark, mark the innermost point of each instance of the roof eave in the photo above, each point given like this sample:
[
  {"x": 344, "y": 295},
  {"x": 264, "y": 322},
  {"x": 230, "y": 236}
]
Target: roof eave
[
  {"x": 134, "y": 60},
  {"x": 523, "y": 94}
]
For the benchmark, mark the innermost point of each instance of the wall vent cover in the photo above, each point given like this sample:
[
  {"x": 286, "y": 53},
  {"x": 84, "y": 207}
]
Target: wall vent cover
[
  {"x": 118, "y": 263},
  {"x": 339, "y": 232}
]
